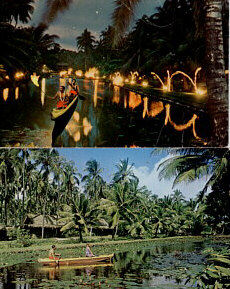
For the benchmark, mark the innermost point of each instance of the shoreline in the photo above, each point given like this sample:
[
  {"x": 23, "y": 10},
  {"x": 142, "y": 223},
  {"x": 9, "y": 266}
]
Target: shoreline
[{"x": 45, "y": 247}]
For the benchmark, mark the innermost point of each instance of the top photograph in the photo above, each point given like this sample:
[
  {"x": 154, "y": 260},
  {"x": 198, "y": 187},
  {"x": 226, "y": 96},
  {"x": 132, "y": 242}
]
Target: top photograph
[{"x": 114, "y": 73}]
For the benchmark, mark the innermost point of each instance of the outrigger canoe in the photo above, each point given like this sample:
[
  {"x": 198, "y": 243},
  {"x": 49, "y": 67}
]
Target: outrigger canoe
[{"x": 76, "y": 261}]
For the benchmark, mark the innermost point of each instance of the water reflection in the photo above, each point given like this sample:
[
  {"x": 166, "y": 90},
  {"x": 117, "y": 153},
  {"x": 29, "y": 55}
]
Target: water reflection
[
  {"x": 5, "y": 93},
  {"x": 155, "y": 265},
  {"x": 16, "y": 93},
  {"x": 43, "y": 91},
  {"x": 110, "y": 116}
]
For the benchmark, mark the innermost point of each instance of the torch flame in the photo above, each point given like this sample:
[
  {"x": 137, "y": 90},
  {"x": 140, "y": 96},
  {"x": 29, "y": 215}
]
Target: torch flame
[{"x": 34, "y": 78}]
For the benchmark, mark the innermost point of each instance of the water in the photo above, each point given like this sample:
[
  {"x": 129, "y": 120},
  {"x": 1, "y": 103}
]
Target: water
[
  {"x": 109, "y": 117},
  {"x": 155, "y": 266}
]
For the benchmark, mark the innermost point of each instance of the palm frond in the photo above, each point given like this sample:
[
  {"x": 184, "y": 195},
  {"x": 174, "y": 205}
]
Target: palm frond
[{"x": 122, "y": 16}]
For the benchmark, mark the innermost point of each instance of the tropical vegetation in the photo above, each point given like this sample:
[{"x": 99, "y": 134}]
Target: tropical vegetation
[{"x": 43, "y": 183}]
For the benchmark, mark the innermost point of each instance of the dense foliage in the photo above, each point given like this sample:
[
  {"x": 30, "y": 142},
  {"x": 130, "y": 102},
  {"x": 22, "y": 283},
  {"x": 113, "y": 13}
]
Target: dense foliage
[{"x": 44, "y": 183}]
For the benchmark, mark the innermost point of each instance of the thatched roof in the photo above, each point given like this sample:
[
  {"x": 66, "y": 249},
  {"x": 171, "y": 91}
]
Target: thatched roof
[{"x": 36, "y": 221}]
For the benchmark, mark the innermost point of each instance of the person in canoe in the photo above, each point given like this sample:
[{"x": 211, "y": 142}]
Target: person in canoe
[
  {"x": 52, "y": 254},
  {"x": 74, "y": 88},
  {"x": 88, "y": 252},
  {"x": 63, "y": 98}
]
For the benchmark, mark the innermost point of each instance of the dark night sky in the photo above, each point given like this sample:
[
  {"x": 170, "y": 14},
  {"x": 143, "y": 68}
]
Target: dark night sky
[{"x": 95, "y": 15}]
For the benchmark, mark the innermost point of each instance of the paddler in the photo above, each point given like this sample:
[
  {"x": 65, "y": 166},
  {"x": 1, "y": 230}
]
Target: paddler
[
  {"x": 63, "y": 98},
  {"x": 74, "y": 88},
  {"x": 88, "y": 252},
  {"x": 52, "y": 254}
]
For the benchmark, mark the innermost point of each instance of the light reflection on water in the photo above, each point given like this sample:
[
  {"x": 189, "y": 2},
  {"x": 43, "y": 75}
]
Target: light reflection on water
[{"x": 110, "y": 116}]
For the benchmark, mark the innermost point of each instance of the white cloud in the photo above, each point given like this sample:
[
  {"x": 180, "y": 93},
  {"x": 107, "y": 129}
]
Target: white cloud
[{"x": 149, "y": 177}]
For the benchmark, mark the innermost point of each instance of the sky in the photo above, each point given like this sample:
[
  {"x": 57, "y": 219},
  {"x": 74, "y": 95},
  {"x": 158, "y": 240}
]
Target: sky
[
  {"x": 145, "y": 164},
  {"x": 95, "y": 15}
]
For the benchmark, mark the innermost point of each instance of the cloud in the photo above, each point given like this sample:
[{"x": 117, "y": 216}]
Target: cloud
[{"x": 149, "y": 177}]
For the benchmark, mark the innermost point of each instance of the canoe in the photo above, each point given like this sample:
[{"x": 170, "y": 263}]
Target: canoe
[
  {"x": 61, "y": 117},
  {"x": 57, "y": 113},
  {"x": 76, "y": 261},
  {"x": 75, "y": 267}
]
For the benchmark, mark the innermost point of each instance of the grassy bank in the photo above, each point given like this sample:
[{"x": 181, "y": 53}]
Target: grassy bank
[{"x": 71, "y": 248}]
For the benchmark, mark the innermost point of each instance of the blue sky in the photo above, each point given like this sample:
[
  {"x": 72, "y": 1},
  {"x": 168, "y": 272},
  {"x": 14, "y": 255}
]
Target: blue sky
[
  {"x": 95, "y": 15},
  {"x": 145, "y": 167}
]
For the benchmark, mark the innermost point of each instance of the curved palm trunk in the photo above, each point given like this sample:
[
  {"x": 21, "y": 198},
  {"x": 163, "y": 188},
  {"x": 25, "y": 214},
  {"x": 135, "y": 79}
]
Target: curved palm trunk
[
  {"x": 80, "y": 234},
  {"x": 216, "y": 82}
]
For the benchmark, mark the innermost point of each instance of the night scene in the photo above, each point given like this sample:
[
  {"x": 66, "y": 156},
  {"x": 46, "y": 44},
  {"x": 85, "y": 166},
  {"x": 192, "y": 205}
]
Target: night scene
[{"x": 111, "y": 73}]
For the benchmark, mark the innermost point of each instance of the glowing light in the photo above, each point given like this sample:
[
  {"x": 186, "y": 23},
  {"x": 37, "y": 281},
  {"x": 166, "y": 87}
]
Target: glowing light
[
  {"x": 19, "y": 75},
  {"x": 43, "y": 90},
  {"x": 118, "y": 79},
  {"x": 77, "y": 136},
  {"x": 95, "y": 82},
  {"x": 134, "y": 76},
  {"x": 195, "y": 77},
  {"x": 76, "y": 116},
  {"x": 70, "y": 70},
  {"x": 92, "y": 73},
  {"x": 181, "y": 127},
  {"x": 45, "y": 69},
  {"x": 134, "y": 100},
  {"x": 155, "y": 108},
  {"x": 167, "y": 87},
  {"x": 5, "y": 93},
  {"x": 87, "y": 127},
  {"x": 16, "y": 93},
  {"x": 145, "y": 110},
  {"x": 79, "y": 73},
  {"x": 116, "y": 94},
  {"x": 63, "y": 73},
  {"x": 145, "y": 83},
  {"x": 7, "y": 77},
  {"x": 34, "y": 78},
  {"x": 126, "y": 80},
  {"x": 201, "y": 91},
  {"x": 158, "y": 77}
]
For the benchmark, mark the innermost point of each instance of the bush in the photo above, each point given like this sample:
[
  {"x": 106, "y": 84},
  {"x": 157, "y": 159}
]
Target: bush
[{"x": 23, "y": 238}]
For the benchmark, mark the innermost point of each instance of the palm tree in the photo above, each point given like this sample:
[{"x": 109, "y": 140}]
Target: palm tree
[
  {"x": 79, "y": 215},
  {"x": 124, "y": 172},
  {"x": 48, "y": 160},
  {"x": 85, "y": 43},
  {"x": 215, "y": 70},
  {"x": 93, "y": 181},
  {"x": 215, "y": 67},
  {"x": 17, "y": 10},
  {"x": 196, "y": 164},
  {"x": 7, "y": 161}
]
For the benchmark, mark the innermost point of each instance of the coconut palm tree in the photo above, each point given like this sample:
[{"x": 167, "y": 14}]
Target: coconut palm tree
[
  {"x": 215, "y": 67},
  {"x": 195, "y": 164},
  {"x": 124, "y": 172},
  {"x": 85, "y": 43},
  {"x": 79, "y": 215},
  {"x": 48, "y": 159},
  {"x": 93, "y": 181},
  {"x": 17, "y": 10}
]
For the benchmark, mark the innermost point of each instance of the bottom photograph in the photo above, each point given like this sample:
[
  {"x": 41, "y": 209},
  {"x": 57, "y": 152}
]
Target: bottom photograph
[{"x": 114, "y": 218}]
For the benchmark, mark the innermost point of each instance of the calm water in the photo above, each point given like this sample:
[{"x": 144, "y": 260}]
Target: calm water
[
  {"x": 109, "y": 117},
  {"x": 155, "y": 266}
]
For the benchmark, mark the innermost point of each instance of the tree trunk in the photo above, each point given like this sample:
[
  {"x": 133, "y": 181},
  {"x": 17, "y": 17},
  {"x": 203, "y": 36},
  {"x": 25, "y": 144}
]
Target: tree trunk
[
  {"x": 156, "y": 231},
  {"x": 215, "y": 74},
  {"x": 43, "y": 215},
  {"x": 80, "y": 234}
]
